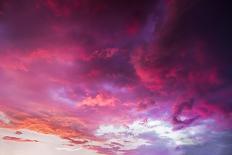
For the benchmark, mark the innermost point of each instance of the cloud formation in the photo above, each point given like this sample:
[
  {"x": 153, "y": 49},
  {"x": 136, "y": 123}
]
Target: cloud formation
[{"x": 87, "y": 71}]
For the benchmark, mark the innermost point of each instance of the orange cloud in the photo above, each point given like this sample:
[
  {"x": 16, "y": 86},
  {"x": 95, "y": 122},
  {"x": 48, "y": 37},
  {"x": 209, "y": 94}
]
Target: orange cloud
[
  {"x": 55, "y": 122},
  {"x": 99, "y": 100}
]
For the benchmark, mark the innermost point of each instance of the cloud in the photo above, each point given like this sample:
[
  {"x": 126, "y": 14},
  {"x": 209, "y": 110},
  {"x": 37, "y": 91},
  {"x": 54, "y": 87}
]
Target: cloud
[
  {"x": 86, "y": 71},
  {"x": 72, "y": 141},
  {"x": 18, "y": 139},
  {"x": 181, "y": 64},
  {"x": 150, "y": 135},
  {"x": 18, "y": 133},
  {"x": 99, "y": 100},
  {"x": 4, "y": 119},
  {"x": 219, "y": 143},
  {"x": 67, "y": 149}
]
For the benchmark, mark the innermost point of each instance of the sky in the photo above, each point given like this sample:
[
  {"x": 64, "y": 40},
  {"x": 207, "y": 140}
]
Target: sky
[{"x": 115, "y": 77}]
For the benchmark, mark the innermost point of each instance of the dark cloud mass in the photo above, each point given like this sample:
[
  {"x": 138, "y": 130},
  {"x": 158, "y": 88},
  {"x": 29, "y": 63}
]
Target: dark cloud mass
[{"x": 87, "y": 71}]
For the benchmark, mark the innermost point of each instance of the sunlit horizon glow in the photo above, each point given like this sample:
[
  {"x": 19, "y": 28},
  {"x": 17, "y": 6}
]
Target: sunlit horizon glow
[{"x": 115, "y": 77}]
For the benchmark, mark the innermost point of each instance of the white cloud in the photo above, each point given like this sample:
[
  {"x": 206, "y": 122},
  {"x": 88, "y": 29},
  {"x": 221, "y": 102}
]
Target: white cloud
[
  {"x": 4, "y": 118},
  {"x": 67, "y": 149},
  {"x": 131, "y": 136}
]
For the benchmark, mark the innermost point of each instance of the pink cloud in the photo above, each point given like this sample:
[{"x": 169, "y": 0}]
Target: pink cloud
[
  {"x": 68, "y": 67},
  {"x": 99, "y": 100},
  {"x": 18, "y": 133},
  {"x": 8, "y": 138}
]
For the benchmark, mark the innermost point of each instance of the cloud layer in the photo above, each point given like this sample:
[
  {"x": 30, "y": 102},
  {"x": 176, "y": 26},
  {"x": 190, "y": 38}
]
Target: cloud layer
[{"x": 87, "y": 71}]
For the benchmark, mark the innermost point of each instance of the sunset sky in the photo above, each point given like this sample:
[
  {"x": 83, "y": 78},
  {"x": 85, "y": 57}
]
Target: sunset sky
[{"x": 115, "y": 77}]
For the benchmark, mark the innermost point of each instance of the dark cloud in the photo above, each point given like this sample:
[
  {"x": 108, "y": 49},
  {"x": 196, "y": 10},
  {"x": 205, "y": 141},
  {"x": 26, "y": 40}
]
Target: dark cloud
[
  {"x": 190, "y": 55},
  {"x": 27, "y": 23}
]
